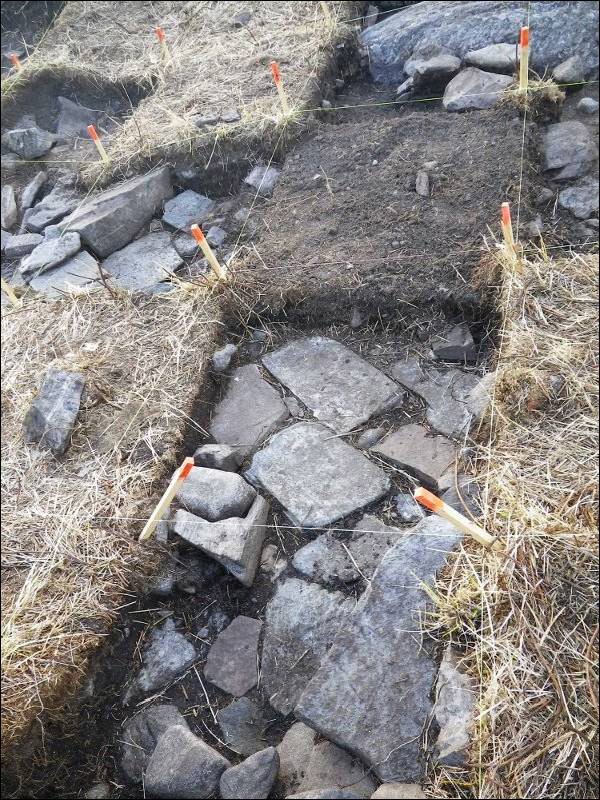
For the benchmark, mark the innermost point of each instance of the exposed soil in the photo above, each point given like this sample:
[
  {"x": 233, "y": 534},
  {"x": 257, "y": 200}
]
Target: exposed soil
[{"x": 23, "y": 23}]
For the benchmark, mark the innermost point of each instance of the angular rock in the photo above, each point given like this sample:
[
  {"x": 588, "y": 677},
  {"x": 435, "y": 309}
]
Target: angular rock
[
  {"x": 29, "y": 143},
  {"x": 204, "y": 120},
  {"x": 370, "y": 437},
  {"x": 435, "y": 72},
  {"x": 243, "y": 725},
  {"x": 569, "y": 149},
  {"x": 22, "y": 244},
  {"x": 341, "y": 389},
  {"x": 235, "y": 543},
  {"x": 74, "y": 119},
  {"x": 183, "y": 766},
  {"x": 140, "y": 735},
  {"x": 166, "y": 657},
  {"x": 470, "y": 26},
  {"x": 372, "y": 689},
  {"x": 250, "y": 411},
  {"x": 475, "y": 89},
  {"x": 62, "y": 200},
  {"x": 187, "y": 208},
  {"x": 500, "y": 57},
  {"x": 232, "y": 660},
  {"x": 329, "y": 766},
  {"x": 240, "y": 20},
  {"x": 186, "y": 246},
  {"x": 422, "y": 183},
  {"x": 570, "y": 71},
  {"x": 456, "y": 695},
  {"x": 217, "y": 456},
  {"x": 6, "y": 237},
  {"x": 422, "y": 54},
  {"x": 406, "y": 88},
  {"x": 456, "y": 344},
  {"x": 301, "y": 621},
  {"x": 263, "y": 179},
  {"x": 331, "y": 793},
  {"x": 399, "y": 791},
  {"x": 294, "y": 407},
  {"x": 580, "y": 200},
  {"x": 50, "y": 253},
  {"x": 80, "y": 271},
  {"x": 110, "y": 220},
  {"x": 221, "y": 359},
  {"x": 143, "y": 263},
  {"x": 294, "y": 754},
  {"x": 8, "y": 207},
  {"x": 407, "y": 508},
  {"x": 469, "y": 493},
  {"x": 231, "y": 115},
  {"x": 412, "y": 448},
  {"x": 316, "y": 477},
  {"x": 214, "y": 494},
  {"x": 587, "y": 105},
  {"x": 215, "y": 236},
  {"x": 51, "y": 417},
  {"x": 481, "y": 395},
  {"x": 31, "y": 190},
  {"x": 253, "y": 778}
]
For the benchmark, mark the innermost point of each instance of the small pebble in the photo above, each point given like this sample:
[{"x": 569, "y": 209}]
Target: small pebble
[{"x": 222, "y": 358}]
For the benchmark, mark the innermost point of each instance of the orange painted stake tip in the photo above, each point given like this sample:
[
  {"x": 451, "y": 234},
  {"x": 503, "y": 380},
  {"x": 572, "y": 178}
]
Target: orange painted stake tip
[
  {"x": 525, "y": 36},
  {"x": 16, "y": 61},
  {"x": 443, "y": 510},
  {"x": 275, "y": 71},
  {"x": 506, "y": 213},
  {"x": 208, "y": 253},
  {"x": 165, "y": 501},
  {"x": 428, "y": 499}
]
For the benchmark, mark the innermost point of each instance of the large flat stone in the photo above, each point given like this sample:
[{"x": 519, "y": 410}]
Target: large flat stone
[
  {"x": 581, "y": 200},
  {"x": 232, "y": 661},
  {"x": 110, "y": 220},
  {"x": 301, "y": 621},
  {"x": 371, "y": 694},
  {"x": 569, "y": 149},
  {"x": 214, "y": 494},
  {"x": 51, "y": 417},
  {"x": 62, "y": 200},
  {"x": 341, "y": 389},
  {"x": 253, "y": 779},
  {"x": 49, "y": 253},
  {"x": 456, "y": 696},
  {"x": 235, "y": 542},
  {"x": 187, "y": 208},
  {"x": 143, "y": 263},
  {"x": 243, "y": 724},
  {"x": 500, "y": 57},
  {"x": 329, "y": 765},
  {"x": 250, "y": 411},
  {"x": 30, "y": 142},
  {"x": 415, "y": 450},
  {"x": 80, "y": 271},
  {"x": 73, "y": 119},
  {"x": 140, "y": 735},
  {"x": 318, "y": 478},
  {"x": 475, "y": 89}
]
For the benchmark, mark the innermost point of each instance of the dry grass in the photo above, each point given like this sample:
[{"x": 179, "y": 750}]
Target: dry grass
[
  {"x": 67, "y": 526},
  {"x": 529, "y": 619}
]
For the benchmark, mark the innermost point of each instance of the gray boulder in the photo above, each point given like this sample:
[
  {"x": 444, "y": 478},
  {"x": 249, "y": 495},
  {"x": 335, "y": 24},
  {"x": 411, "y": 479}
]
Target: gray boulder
[
  {"x": 22, "y": 244},
  {"x": 407, "y": 508},
  {"x": 110, "y": 220},
  {"x": 51, "y": 418},
  {"x": 62, "y": 200},
  {"x": 31, "y": 190},
  {"x": 8, "y": 207},
  {"x": 501, "y": 57},
  {"x": 587, "y": 105},
  {"x": 187, "y": 208},
  {"x": 243, "y": 724},
  {"x": 475, "y": 89},
  {"x": 144, "y": 263},
  {"x": 263, "y": 179},
  {"x": 50, "y": 253},
  {"x": 217, "y": 456},
  {"x": 140, "y": 735},
  {"x": 581, "y": 200},
  {"x": 570, "y": 71},
  {"x": 294, "y": 754},
  {"x": 466, "y": 26},
  {"x": 80, "y": 271},
  {"x": 214, "y": 494},
  {"x": 569, "y": 149},
  {"x": 329, "y": 765},
  {"x": 221, "y": 359},
  {"x": 183, "y": 766},
  {"x": 232, "y": 660},
  {"x": 455, "y": 344},
  {"x": 456, "y": 696},
  {"x": 29, "y": 143},
  {"x": 435, "y": 72},
  {"x": 253, "y": 778},
  {"x": 74, "y": 119},
  {"x": 415, "y": 450},
  {"x": 215, "y": 236}
]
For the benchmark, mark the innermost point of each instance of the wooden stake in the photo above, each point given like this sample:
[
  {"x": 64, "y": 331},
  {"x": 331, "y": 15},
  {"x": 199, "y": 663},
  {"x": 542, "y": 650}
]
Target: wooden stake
[
  {"x": 165, "y": 501},
  {"x": 524, "y": 59},
  {"x": 16, "y": 62},
  {"x": 96, "y": 139},
  {"x": 10, "y": 294},
  {"x": 507, "y": 230},
  {"x": 208, "y": 253},
  {"x": 280, "y": 89},
  {"x": 166, "y": 53},
  {"x": 445, "y": 511}
]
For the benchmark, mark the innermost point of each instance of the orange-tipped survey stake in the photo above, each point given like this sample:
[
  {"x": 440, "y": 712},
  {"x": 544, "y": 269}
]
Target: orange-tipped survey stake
[
  {"x": 96, "y": 139},
  {"x": 165, "y": 501},
  {"x": 16, "y": 62},
  {"x": 507, "y": 229},
  {"x": 208, "y": 253},
  {"x": 524, "y": 59},
  {"x": 433, "y": 503},
  {"x": 279, "y": 86},
  {"x": 166, "y": 53}
]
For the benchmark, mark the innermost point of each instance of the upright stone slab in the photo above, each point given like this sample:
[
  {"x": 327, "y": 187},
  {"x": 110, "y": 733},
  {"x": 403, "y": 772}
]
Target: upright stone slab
[
  {"x": 414, "y": 449},
  {"x": 371, "y": 694},
  {"x": 50, "y": 420},
  {"x": 456, "y": 695},
  {"x": 110, "y": 221},
  {"x": 187, "y": 208},
  {"x": 140, "y": 734},
  {"x": 250, "y": 411},
  {"x": 341, "y": 389},
  {"x": 317, "y": 477},
  {"x": 143, "y": 263},
  {"x": 301, "y": 621},
  {"x": 231, "y": 664}
]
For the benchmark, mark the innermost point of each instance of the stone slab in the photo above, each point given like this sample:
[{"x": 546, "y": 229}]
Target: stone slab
[
  {"x": 80, "y": 271},
  {"x": 51, "y": 417},
  {"x": 187, "y": 208},
  {"x": 253, "y": 779},
  {"x": 243, "y": 724},
  {"x": 214, "y": 494},
  {"x": 415, "y": 450},
  {"x": 232, "y": 660},
  {"x": 475, "y": 89},
  {"x": 140, "y": 734},
  {"x": 143, "y": 263}
]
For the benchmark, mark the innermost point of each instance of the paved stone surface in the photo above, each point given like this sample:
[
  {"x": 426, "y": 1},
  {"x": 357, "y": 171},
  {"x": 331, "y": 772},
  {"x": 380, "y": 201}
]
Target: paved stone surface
[
  {"x": 143, "y": 263},
  {"x": 569, "y": 149},
  {"x": 329, "y": 559},
  {"x": 263, "y": 179},
  {"x": 166, "y": 657},
  {"x": 250, "y": 411},
  {"x": 50, "y": 253},
  {"x": 294, "y": 754},
  {"x": 399, "y": 791},
  {"x": 9, "y": 207},
  {"x": 22, "y": 244},
  {"x": 415, "y": 450},
  {"x": 235, "y": 542},
  {"x": 59, "y": 202},
  {"x": 570, "y": 71},
  {"x": 372, "y": 689},
  {"x": 183, "y": 766},
  {"x": 29, "y": 143},
  {"x": 140, "y": 735},
  {"x": 475, "y": 89},
  {"x": 221, "y": 359},
  {"x": 580, "y": 200},
  {"x": 301, "y": 621},
  {"x": 80, "y": 271},
  {"x": 232, "y": 661},
  {"x": 316, "y": 477},
  {"x": 341, "y": 389},
  {"x": 407, "y": 508},
  {"x": 217, "y": 456},
  {"x": 73, "y": 119},
  {"x": 51, "y": 417},
  {"x": 253, "y": 778},
  {"x": 456, "y": 695},
  {"x": 187, "y": 208},
  {"x": 500, "y": 57},
  {"x": 110, "y": 220},
  {"x": 329, "y": 765},
  {"x": 214, "y": 494},
  {"x": 456, "y": 344},
  {"x": 243, "y": 725}
]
